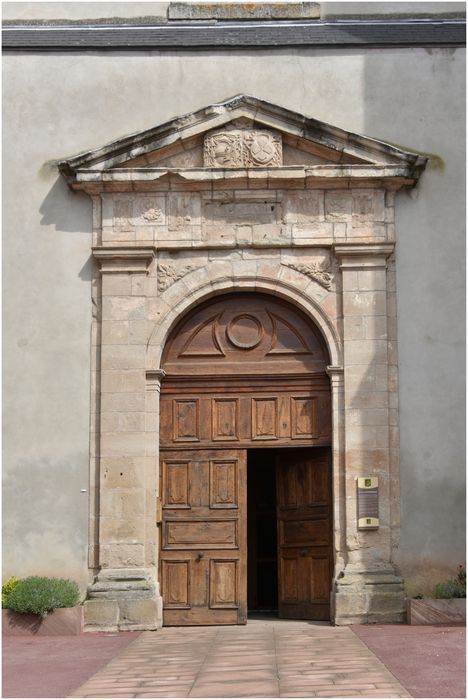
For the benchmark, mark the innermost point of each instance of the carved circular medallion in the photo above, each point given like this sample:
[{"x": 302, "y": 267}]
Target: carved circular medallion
[
  {"x": 262, "y": 149},
  {"x": 244, "y": 331}
]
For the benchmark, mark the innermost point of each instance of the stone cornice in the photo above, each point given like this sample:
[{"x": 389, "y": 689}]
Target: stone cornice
[
  {"x": 107, "y": 164},
  {"x": 124, "y": 258},
  {"x": 346, "y": 176},
  {"x": 359, "y": 255}
]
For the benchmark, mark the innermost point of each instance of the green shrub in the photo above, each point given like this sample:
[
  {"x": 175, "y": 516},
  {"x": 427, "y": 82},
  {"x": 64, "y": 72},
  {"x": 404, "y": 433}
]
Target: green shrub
[
  {"x": 453, "y": 587},
  {"x": 39, "y": 595},
  {"x": 8, "y": 587}
]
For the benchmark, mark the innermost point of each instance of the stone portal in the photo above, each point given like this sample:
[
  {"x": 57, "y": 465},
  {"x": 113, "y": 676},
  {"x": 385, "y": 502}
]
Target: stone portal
[{"x": 243, "y": 196}]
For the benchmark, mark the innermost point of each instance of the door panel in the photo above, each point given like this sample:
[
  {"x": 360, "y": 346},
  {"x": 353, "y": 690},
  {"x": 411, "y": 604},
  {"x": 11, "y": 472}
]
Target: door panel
[
  {"x": 203, "y": 537},
  {"x": 271, "y": 413},
  {"x": 304, "y": 534}
]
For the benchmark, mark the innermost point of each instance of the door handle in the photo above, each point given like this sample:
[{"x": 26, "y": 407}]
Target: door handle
[{"x": 200, "y": 556}]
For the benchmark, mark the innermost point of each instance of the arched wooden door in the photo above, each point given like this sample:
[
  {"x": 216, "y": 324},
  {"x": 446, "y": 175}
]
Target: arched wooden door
[{"x": 243, "y": 371}]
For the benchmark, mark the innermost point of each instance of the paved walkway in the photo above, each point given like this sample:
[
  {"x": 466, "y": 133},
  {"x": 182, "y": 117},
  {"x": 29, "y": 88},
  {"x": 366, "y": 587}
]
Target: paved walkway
[{"x": 262, "y": 659}]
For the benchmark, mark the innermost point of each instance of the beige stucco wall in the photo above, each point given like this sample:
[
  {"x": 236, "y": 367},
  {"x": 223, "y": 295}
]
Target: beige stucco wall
[{"x": 56, "y": 105}]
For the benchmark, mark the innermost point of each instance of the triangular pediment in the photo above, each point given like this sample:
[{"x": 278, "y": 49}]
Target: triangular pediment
[{"x": 242, "y": 132}]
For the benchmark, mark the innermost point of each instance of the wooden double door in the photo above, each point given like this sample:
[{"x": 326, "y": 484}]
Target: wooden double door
[
  {"x": 205, "y": 562},
  {"x": 245, "y": 374}
]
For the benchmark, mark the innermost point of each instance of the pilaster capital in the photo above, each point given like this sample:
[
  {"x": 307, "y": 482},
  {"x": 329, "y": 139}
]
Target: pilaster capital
[
  {"x": 363, "y": 255},
  {"x": 154, "y": 379},
  {"x": 336, "y": 375},
  {"x": 124, "y": 258}
]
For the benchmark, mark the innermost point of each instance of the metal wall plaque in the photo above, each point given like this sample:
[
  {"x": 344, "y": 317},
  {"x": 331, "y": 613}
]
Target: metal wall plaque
[{"x": 368, "y": 503}]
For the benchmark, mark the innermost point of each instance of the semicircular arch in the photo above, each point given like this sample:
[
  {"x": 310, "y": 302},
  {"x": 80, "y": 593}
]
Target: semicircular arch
[{"x": 182, "y": 306}]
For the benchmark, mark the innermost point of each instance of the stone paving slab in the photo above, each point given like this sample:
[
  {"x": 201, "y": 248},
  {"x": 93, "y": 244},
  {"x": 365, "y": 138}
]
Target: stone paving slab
[{"x": 265, "y": 658}]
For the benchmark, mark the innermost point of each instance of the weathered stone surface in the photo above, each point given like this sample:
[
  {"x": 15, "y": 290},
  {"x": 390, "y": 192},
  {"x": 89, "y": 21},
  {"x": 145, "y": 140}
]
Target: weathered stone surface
[
  {"x": 303, "y": 207},
  {"x": 184, "y": 211},
  {"x": 246, "y": 11},
  {"x": 139, "y": 614},
  {"x": 369, "y": 596},
  {"x": 244, "y": 148},
  {"x": 102, "y": 615},
  {"x": 124, "y": 598}
]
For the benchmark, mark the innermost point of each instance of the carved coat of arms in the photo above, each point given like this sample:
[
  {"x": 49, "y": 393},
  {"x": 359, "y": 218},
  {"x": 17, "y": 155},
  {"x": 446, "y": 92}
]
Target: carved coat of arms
[{"x": 243, "y": 149}]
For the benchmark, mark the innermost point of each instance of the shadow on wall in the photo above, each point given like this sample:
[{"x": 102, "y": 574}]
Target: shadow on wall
[
  {"x": 423, "y": 112},
  {"x": 87, "y": 272},
  {"x": 68, "y": 211}
]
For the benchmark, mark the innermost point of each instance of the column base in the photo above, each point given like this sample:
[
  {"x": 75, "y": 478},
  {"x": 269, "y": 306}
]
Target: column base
[
  {"x": 366, "y": 597},
  {"x": 123, "y": 599}
]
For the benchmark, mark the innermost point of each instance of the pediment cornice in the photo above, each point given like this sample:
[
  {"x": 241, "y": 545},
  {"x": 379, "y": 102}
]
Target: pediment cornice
[{"x": 343, "y": 154}]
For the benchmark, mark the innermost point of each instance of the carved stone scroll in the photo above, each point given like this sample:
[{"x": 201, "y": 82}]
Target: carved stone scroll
[
  {"x": 319, "y": 272},
  {"x": 168, "y": 274}
]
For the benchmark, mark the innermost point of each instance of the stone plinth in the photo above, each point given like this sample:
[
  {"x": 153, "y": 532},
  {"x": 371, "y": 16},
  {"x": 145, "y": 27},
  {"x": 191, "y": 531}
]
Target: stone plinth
[
  {"x": 123, "y": 599},
  {"x": 363, "y": 597}
]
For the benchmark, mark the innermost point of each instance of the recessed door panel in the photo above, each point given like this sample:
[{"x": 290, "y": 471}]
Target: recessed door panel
[
  {"x": 225, "y": 417},
  {"x": 224, "y": 575},
  {"x": 224, "y": 481},
  {"x": 265, "y": 419},
  {"x": 207, "y": 534},
  {"x": 186, "y": 423},
  {"x": 176, "y": 479},
  {"x": 176, "y": 581}
]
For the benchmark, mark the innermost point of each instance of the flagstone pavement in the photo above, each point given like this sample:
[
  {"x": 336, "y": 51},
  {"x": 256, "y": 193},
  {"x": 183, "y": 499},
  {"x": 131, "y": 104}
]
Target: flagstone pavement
[{"x": 265, "y": 658}]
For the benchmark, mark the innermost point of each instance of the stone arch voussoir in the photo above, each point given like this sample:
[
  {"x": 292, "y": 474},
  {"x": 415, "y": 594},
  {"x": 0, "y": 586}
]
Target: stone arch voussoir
[{"x": 181, "y": 299}]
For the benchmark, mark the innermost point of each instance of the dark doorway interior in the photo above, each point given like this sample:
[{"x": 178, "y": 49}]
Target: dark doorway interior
[{"x": 262, "y": 557}]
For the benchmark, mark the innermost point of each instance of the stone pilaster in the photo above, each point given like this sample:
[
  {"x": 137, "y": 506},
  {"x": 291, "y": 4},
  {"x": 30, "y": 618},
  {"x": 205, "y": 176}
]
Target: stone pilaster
[
  {"x": 153, "y": 500},
  {"x": 336, "y": 375},
  {"x": 124, "y": 594},
  {"x": 368, "y": 589}
]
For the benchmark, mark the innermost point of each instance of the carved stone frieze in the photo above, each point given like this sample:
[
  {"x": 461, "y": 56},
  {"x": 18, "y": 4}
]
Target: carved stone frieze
[
  {"x": 168, "y": 274},
  {"x": 243, "y": 148},
  {"x": 319, "y": 272},
  {"x": 154, "y": 214}
]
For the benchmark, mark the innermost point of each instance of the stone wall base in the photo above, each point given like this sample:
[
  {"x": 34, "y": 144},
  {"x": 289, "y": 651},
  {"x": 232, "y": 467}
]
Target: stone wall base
[
  {"x": 363, "y": 597},
  {"x": 436, "y": 611},
  {"x": 126, "y": 599}
]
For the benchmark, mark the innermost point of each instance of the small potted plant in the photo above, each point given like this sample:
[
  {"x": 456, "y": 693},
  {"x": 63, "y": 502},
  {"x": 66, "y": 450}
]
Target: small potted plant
[
  {"x": 448, "y": 604},
  {"x": 41, "y": 605}
]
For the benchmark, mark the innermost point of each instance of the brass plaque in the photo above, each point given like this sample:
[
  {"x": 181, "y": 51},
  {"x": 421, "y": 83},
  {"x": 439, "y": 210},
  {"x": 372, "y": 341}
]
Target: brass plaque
[{"x": 368, "y": 503}]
